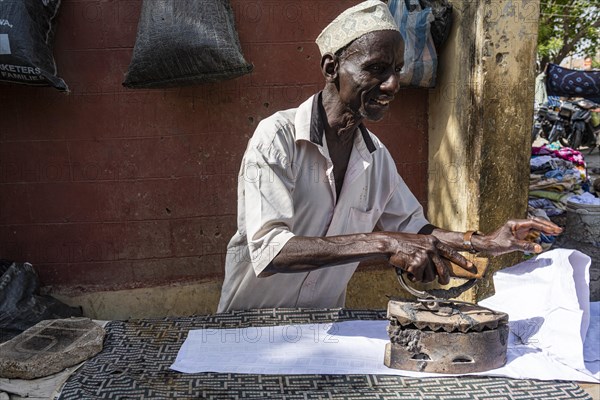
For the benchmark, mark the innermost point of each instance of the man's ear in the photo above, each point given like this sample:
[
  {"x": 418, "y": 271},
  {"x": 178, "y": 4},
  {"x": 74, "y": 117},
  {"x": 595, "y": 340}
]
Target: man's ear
[{"x": 329, "y": 67}]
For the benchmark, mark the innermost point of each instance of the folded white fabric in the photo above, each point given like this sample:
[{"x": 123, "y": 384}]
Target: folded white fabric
[
  {"x": 591, "y": 346},
  {"x": 546, "y": 299}
]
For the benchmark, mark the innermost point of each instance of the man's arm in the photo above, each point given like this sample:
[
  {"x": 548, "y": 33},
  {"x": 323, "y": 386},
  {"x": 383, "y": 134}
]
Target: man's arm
[
  {"x": 303, "y": 253},
  {"x": 512, "y": 236},
  {"x": 423, "y": 256}
]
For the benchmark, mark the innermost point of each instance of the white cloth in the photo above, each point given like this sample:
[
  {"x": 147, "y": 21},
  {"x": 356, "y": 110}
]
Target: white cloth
[
  {"x": 541, "y": 96},
  {"x": 545, "y": 299},
  {"x": 286, "y": 187},
  {"x": 591, "y": 347}
]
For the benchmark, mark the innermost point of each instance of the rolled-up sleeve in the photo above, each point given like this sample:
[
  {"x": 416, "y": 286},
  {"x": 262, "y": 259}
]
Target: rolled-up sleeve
[{"x": 269, "y": 208}]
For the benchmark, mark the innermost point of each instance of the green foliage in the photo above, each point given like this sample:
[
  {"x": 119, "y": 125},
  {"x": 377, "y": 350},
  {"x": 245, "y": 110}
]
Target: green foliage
[{"x": 568, "y": 27}]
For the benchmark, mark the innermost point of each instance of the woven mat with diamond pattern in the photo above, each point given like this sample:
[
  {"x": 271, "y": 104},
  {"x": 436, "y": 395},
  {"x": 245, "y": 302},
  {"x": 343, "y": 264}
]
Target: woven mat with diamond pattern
[{"x": 134, "y": 364}]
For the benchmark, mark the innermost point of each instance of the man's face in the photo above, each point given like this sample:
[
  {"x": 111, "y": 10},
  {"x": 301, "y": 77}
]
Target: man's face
[{"x": 368, "y": 73}]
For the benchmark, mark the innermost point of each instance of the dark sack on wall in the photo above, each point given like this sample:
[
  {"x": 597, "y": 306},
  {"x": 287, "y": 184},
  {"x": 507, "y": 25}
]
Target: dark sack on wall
[
  {"x": 185, "y": 42},
  {"x": 26, "y": 37},
  {"x": 21, "y": 306},
  {"x": 442, "y": 20}
]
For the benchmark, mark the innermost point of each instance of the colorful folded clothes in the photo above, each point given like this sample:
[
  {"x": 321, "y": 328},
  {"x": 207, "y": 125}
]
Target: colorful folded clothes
[
  {"x": 543, "y": 164},
  {"x": 567, "y": 185},
  {"x": 585, "y": 198},
  {"x": 557, "y": 176},
  {"x": 565, "y": 153},
  {"x": 560, "y": 199},
  {"x": 546, "y": 207}
]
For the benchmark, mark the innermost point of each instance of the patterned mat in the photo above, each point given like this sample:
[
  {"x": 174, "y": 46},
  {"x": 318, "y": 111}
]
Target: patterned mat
[{"x": 137, "y": 354}]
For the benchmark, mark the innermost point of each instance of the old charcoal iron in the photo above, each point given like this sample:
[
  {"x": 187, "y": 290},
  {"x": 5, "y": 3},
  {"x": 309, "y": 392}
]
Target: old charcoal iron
[{"x": 435, "y": 334}]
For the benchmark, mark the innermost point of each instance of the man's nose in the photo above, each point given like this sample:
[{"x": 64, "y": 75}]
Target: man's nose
[{"x": 392, "y": 84}]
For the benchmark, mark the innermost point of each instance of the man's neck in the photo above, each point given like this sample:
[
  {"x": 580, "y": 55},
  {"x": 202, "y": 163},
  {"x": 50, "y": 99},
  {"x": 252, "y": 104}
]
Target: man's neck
[{"x": 339, "y": 121}]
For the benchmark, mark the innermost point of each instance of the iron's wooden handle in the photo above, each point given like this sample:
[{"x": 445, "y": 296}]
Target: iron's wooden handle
[{"x": 480, "y": 266}]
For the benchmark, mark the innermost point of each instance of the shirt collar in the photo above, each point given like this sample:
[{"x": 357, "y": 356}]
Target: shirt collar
[{"x": 314, "y": 130}]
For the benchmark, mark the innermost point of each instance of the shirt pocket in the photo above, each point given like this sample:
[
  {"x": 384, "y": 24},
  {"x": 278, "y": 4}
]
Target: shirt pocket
[{"x": 361, "y": 221}]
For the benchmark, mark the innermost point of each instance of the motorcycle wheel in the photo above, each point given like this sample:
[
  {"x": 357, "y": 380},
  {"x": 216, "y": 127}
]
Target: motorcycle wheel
[
  {"x": 534, "y": 133},
  {"x": 575, "y": 139},
  {"x": 554, "y": 134}
]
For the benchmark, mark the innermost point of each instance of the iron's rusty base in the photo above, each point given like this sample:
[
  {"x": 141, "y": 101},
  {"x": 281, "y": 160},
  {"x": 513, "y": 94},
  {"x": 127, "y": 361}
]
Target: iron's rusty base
[
  {"x": 451, "y": 338},
  {"x": 449, "y": 353}
]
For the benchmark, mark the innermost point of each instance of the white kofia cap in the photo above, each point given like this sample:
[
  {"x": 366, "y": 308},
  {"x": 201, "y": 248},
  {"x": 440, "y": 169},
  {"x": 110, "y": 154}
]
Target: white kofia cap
[{"x": 365, "y": 17}]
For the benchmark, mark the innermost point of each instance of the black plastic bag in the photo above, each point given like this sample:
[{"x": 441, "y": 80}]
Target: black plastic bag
[
  {"x": 185, "y": 42},
  {"x": 442, "y": 23},
  {"x": 21, "y": 306},
  {"x": 26, "y": 38}
]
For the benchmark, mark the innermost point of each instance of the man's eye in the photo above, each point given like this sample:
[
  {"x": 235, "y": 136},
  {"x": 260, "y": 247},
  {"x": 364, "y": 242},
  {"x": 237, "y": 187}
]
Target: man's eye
[
  {"x": 398, "y": 69},
  {"x": 376, "y": 68}
]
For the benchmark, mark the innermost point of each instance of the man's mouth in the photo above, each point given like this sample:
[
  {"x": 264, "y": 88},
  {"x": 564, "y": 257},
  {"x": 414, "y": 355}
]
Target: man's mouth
[
  {"x": 381, "y": 102},
  {"x": 375, "y": 105}
]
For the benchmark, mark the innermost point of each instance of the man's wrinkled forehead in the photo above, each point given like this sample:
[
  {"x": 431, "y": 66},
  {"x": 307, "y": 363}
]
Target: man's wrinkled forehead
[
  {"x": 386, "y": 42},
  {"x": 368, "y": 16}
]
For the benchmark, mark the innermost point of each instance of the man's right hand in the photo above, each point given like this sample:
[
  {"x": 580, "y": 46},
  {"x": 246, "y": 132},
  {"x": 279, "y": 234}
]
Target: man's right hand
[{"x": 424, "y": 257}]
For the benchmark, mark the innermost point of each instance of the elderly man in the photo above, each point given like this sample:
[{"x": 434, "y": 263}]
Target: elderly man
[{"x": 314, "y": 183}]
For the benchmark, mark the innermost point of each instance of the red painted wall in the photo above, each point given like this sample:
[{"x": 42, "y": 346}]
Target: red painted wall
[{"x": 108, "y": 188}]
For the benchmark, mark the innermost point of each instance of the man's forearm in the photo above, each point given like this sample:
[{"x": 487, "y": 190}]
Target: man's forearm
[
  {"x": 303, "y": 253},
  {"x": 422, "y": 256}
]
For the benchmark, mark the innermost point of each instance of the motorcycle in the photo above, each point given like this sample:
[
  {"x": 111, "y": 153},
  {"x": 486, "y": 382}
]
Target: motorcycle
[
  {"x": 571, "y": 125},
  {"x": 563, "y": 126},
  {"x": 582, "y": 132},
  {"x": 544, "y": 123}
]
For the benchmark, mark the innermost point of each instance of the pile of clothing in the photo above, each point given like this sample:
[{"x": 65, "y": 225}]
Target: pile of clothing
[{"x": 557, "y": 174}]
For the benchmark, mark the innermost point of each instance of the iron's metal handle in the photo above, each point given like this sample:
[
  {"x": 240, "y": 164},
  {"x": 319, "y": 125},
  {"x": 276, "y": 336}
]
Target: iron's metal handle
[
  {"x": 434, "y": 294},
  {"x": 480, "y": 266}
]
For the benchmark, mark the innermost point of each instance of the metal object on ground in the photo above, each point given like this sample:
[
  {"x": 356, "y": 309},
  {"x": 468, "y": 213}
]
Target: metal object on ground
[
  {"x": 49, "y": 347},
  {"x": 454, "y": 337}
]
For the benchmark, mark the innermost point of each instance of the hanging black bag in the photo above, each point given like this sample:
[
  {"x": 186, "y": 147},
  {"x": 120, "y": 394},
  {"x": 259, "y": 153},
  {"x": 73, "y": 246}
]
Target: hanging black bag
[
  {"x": 185, "y": 42},
  {"x": 442, "y": 20},
  {"x": 26, "y": 38}
]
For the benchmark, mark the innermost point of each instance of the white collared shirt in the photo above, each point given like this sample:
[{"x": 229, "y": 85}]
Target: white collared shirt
[{"x": 286, "y": 187}]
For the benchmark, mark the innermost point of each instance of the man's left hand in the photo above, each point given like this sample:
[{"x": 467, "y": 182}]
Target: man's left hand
[{"x": 513, "y": 236}]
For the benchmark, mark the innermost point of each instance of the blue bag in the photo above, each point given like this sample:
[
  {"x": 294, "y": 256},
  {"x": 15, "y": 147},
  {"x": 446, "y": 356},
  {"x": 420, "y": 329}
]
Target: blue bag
[{"x": 420, "y": 57}]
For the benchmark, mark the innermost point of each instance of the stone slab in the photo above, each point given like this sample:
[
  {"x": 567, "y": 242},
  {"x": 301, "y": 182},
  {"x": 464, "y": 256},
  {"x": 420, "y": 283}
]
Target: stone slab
[{"x": 49, "y": 347}]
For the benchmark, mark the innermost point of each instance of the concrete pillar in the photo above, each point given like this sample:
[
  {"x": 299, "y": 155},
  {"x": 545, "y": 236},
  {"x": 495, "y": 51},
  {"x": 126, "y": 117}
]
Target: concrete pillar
[{"x": 480, "y": 116}]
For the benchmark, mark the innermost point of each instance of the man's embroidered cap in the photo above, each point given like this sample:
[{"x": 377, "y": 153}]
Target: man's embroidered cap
[{"x": 365, "y": 17}]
